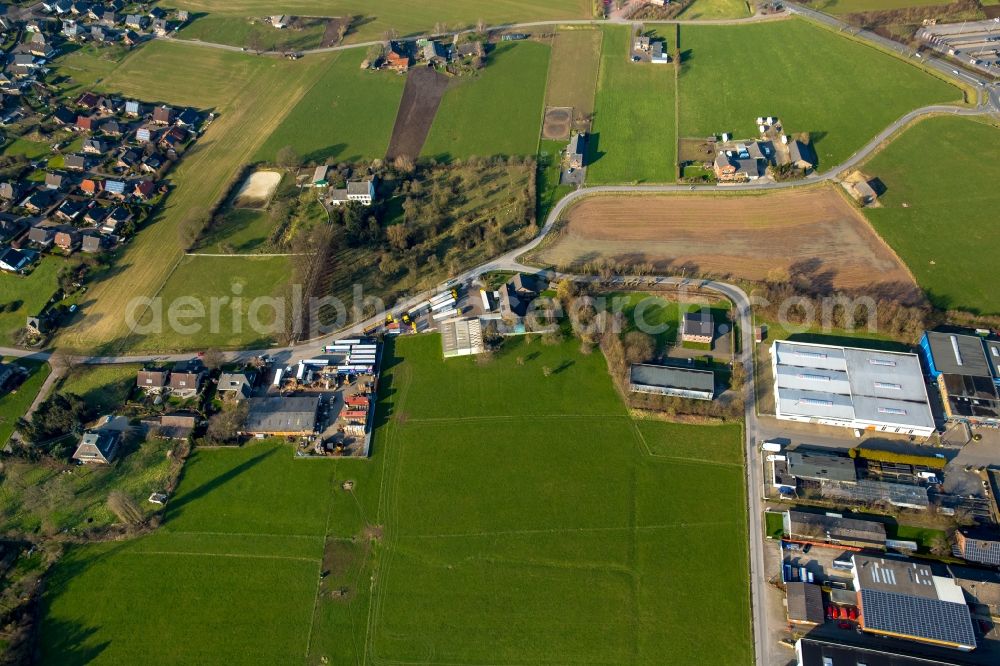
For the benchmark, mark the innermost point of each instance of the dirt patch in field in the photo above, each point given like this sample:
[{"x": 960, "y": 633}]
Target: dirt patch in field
[
  {"x": 558, "y": 123},
  {"x": 333, "y": 32},
  {"x": 421, "y": 97},
  {"x": 257, "y": 189},
  {"x": 815, "y": 235}
]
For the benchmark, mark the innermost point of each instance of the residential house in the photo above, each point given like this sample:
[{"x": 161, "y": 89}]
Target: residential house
[
  {"x": 75, "y": 162},
  {"x": 129, "y": 158},
  {"x": 67, "y": 239},
  {"x": 11, "y": 227},
  {"x": 85, "y": 123},
  {"x": 14, "y": 261},
  {"x": 90, "y": 186},
  {"x": 470, "y": 50},
  {"x": 10, "y": 191},
  {"x": 95, "y": 146},
  {"x": 69, "y": 210},
  {"x": 144, "y": 135},
  {"x": 41, "y": 236},
  {"x": 115, "y": 188},
  {"x": 100, "y": 446},
  {"x": 163, "y": 115},
  {"x": 87, "y": 100},
  {"x": 435, "y": 53},
  {"x": 160, "y": 27},
  {"x": 133, "y": 108},
  {"x": 516, "y": 295},
  {"x": 156, "y": 13},
  {"x": 92, "y": 243},
  {"x": 236, "y": 385},
  {"x": 64, "y": 116},
  {"x": 396, "y": 58},
  {"x": 152, "y": 380},
  {"x": 100, "y": 34},
  {"x": 152, "y": 163},
  {"x": 145, "y": 189},
  {"x": 95, "y": 215},
  {"x": 25, "y": 60},
  {"x": 71, "y": 30},
  {"x": 38, "y": 201},
  {"x": 698, "y": 327},
  {"x": 576, "y": 150},
  {"x": 642, "y": 43},
  {"x": 110, "y": 18},
  {"x": 130, "y": 38},
  {"x": 136, "y": 21},
  {"x": 53, "y": 181},
  {"x": 111, "y": 128},
  {"x": 186, "y": 379},
  {"x": 188, "y": 118},
  {"x": 116, "y": 218},
  {"x": 731, "y": 168}
]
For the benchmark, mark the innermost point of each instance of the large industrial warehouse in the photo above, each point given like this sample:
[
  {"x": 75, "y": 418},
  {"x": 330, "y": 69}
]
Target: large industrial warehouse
[{"x": 849, "y": 387}]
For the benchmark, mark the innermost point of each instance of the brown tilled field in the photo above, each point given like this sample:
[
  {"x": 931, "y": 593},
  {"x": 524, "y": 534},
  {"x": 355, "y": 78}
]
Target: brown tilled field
[
  {"x": 813, "y": 234},
  {"x": 421, "y": 98}
]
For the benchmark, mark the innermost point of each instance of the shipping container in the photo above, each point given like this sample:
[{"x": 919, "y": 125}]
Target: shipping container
[
  {"x": 450, "y": 303},
  {"x": 277, "y": 376},
  {"x": 317, "y": 361}
]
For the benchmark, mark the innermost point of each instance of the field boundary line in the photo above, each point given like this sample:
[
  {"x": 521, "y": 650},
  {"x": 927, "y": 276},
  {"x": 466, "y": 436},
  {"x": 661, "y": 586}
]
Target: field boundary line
[
  {"x": 251, "y": 556},
  {"x": 443, "y": 420},
  {"x": 570, "y": 530},
  {"x": 319, "y": 577},
  {"x": 244, "y": 534},
  {"x": 243, "y": 256}
]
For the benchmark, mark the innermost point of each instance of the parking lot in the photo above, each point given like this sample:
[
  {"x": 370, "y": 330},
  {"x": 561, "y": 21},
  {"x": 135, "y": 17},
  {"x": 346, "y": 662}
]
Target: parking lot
[{"x": 976, "y": 43}]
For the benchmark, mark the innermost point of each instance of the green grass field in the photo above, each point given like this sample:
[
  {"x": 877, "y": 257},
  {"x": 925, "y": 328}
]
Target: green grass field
[
  {"x": 259, "y": 35},
  {"x": 13, "y": 404},
  {"x": 405, "y": 18},
  {"x": 573, "y": 69},
  {"x": 498, "y": 112},
  {"x": 103, "y": 387},
  {"x": 943, "y": 220},
  {"x": 852, "y": 6},
  {"x": 241, "y": 231},
  {"x": 715, "y": 9},
  {"x": 504, "y": 522},
  {"x": 547, "y": 182},
  {"x": 199, "y": 280},
  {"x": 25, "y": 295},
  {"x": 633, "y": 137},
  {"x": 347, "y": 116},
  {"x": 722, "y": 91}
]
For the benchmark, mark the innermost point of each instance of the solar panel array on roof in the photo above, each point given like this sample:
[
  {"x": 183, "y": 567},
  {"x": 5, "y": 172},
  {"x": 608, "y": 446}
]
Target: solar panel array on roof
[{"x": 918, "y": 617}]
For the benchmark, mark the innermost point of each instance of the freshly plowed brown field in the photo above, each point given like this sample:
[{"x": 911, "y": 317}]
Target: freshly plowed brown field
[{"x": 813, "y": 234}]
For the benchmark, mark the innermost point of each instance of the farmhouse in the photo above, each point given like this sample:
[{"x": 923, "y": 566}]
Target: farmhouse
[
  {"x": 362, "y": 191},
  {"x": 657, "y": 55},
  {"x": 516, "y": 295},
  {"x": 642, "y": 43},
  {"x": 396, "y": 58},
  {"x": 698, "y": 327},
  {"x": 98, "y": 446},
  {"x": 906, "y": 600},
  {"x": 801, "y": 155},
  {"x": 729, "y": 168},
  {"x": 849, "y": 387},
  {"x": 576, "y": 150},
  {"x": 236, "y": 385},
  {"x": 833, "y": 530},
  {"x": 967, "y": 375},
  {"x": 678, "y": 382},
  {"x": 282, "y": 416}
]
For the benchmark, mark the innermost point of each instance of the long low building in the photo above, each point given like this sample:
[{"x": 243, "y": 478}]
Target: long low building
[
  {"x": 282, "y": 416},
  {"x": 822, "y": 652},
  {"x": 850, "y": 387},
  {"x": 667, "y": 380},
  {"x": 834, "y": 530}
]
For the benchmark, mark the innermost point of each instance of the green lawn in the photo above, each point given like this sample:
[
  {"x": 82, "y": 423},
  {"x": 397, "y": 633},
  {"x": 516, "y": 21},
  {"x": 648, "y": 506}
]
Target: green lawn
[
  {"x": 260, "y": 35},
  {"x": 812, "y": 79},
  {"x": 506, "y": 520},
  {"x": 347, "y": 116},
  {"x": 774, "y": 525},
  {"x": 103, "y": 387},
  {"x": 13, "y": 404},
  {"x": 88, "y": 65},
  {"x": 25, "y": 295},
  {"x": 633, "y": 138},
  {"x": 192, "y": 287},
  {"x": 239, "y": 231},
  {"x": 715, "y": 9},
  {"x": 497, "y": 112},
  {"x": 924, "y": 536},
  {"x": 943, "y": 220},
  {"x": 28, "y": 148}
]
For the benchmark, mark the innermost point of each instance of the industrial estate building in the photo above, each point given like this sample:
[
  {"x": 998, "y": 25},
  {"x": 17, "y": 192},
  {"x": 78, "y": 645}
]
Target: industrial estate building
[
  {"x": 849, "y": 387},
  {"x": 462, "y": 337},
  {"x": 966, "y": 369},
  {"x": 978, "y": 546},
  {"x": 906, "y": 600},
  {"x": 666, "y": 380}
]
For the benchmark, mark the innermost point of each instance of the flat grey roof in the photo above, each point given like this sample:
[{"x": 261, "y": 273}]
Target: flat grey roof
[
  {"x": 805, "y": 602},
  {"x": 663, "y": 376},
  {"x": 820, "y": 466},
  {"x": 281, "y": 414},
  {"x": 818, "y": 652},
  {"x": 958, "y": 354},
  {"x": 822, "y": 526}
]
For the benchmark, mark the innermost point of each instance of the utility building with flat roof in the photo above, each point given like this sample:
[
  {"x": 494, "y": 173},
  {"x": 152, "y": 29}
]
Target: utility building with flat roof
[
  {"x": 282, "y": 416},
  {"x": 904, "y": 599},
  {"x": 824, "y": 652},
  {"x": 666, "y": 380},
  {"x": 850, "y": 387},
  {"x": 819, "y": 466}
]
